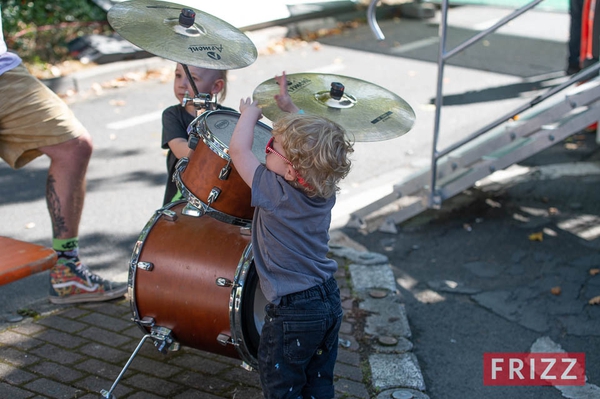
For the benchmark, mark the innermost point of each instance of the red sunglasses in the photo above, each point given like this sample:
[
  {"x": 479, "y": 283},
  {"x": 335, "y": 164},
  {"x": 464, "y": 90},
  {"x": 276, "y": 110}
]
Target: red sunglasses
[{"x": 269, "y": 149}]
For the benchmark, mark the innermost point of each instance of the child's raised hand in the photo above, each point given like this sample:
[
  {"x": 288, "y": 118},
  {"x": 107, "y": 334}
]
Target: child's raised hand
[
  {"x": 283, "y": 99},
  {"x": 249, "y": 106}
]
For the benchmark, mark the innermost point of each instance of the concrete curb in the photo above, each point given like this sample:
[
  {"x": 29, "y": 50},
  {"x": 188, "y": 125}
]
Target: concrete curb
[{"x": 394, "y": 368}]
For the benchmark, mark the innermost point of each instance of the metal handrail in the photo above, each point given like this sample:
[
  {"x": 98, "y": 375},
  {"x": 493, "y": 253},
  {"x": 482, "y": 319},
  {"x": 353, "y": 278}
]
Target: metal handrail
[{"x": 434, "y": 199}]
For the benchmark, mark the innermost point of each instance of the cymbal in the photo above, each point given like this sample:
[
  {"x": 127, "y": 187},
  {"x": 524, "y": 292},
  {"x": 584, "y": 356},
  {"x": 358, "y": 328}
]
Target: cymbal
[
  {"x": 182, "y": 34},
  {"x": 366, "y": 111}
]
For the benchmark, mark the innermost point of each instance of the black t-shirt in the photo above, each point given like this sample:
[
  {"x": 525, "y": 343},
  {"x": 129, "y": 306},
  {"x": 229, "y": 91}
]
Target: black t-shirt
[{"x": 175, "y": 123}]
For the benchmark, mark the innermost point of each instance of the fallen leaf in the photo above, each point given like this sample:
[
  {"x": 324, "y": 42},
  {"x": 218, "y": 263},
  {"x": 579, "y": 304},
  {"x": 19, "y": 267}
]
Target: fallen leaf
[
  {"x": 539, "y": 236},
  {"x": 593, "y": 272},
  {"x": 556, "y": 290},
  {"x": 595, "y": 300},
  {"x": 571, "y": 146}
]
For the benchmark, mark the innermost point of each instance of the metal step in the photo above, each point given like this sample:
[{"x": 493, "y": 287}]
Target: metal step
[{"x": 544, "y": 125}]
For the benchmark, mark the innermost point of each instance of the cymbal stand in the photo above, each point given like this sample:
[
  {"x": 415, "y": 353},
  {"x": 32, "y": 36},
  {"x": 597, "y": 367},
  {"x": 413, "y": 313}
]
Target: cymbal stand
[{"x": 200, "y": 100}]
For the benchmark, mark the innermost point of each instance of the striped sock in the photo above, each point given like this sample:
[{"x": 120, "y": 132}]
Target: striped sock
[{"x": 67, "y": 250}]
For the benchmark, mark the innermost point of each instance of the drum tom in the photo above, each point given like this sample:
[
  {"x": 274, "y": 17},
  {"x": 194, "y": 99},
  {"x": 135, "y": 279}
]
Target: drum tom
[{"x": 208, "y": 179}]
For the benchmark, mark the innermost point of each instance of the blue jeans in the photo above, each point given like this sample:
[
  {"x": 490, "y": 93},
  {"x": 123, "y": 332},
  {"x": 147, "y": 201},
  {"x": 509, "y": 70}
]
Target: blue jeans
[{"x": 299, "y": 344}]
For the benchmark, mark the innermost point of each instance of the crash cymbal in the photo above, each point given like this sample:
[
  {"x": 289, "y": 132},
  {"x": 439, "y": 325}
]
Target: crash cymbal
[
  {"x": 182, "y": 34},
  {"x": 366, "y": 111}
]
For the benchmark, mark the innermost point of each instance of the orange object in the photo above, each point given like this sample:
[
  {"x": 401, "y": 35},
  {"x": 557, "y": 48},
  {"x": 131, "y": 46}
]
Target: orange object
[
  {"x": 19, "y": 259},
  {"x": 589, "y": 35}
]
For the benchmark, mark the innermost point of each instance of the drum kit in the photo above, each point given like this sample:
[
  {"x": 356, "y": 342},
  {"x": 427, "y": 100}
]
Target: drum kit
[{"x": 192, "y": 280}]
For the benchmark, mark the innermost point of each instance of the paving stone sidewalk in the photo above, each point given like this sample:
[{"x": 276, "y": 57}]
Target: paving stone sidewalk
[{"x": 76, "y": 351}]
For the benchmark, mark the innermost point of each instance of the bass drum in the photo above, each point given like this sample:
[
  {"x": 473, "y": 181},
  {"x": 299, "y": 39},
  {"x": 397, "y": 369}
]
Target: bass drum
[{"x": 195, "y": 276}]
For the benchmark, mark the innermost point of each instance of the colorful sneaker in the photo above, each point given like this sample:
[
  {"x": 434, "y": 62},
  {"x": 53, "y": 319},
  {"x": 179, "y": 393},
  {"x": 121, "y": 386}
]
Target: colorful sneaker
[{"x": 72, "y": 282}]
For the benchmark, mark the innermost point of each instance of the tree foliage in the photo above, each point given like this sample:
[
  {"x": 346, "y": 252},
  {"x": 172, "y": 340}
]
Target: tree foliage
[{"x": 40, "y": 30}]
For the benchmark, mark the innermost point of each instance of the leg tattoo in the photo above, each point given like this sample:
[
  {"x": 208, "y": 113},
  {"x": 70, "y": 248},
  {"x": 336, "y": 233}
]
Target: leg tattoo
[{"x": 53, "y": 201}]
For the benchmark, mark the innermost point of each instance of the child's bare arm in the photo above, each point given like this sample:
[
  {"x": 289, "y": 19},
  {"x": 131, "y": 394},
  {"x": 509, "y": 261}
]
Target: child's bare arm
[
  {"x": 179, "y": 147},
  {"x": 240, "y": 146},
  {"x": 283, "y": 99}
]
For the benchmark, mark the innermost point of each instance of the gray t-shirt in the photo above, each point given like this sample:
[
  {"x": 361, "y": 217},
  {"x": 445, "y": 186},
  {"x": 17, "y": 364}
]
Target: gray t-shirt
[{"x": 290, "y": 236}]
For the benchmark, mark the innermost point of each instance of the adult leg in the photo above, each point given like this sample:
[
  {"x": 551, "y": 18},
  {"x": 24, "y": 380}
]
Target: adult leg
[
  {"x": 65, "y": 187},
  {"x": 71, "y": 281},
  {"x": 35, "y": 121}
]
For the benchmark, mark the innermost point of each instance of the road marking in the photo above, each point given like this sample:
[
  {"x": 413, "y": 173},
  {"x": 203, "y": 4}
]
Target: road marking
[
  {"x": 135, "y": 121},
  {"x": 415, "y": 45},
  {"x": 486, "y": 24},
  {"x": 545, "y": 344}
]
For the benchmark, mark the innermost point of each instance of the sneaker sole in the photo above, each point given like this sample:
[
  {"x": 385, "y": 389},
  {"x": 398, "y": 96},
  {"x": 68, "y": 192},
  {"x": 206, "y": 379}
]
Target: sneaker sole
[{"x": 82, "y": 298}]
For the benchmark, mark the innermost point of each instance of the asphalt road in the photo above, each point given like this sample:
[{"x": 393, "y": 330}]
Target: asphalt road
[{"x": 127, "y": 173}]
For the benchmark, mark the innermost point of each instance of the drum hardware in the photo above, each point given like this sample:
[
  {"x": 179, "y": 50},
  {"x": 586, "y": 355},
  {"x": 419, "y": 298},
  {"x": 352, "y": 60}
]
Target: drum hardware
[
  {"x": 246, "y": 366},
  {"x": 191, "y": 210},
  {"x": 224, "y": 340},
  {"x": 146, "y": 321},
  {"x": 246, "y": 231},
  {"x": 223, "y": 282},
  {"x": 224, "y": 174},
  {"x": 213, "y": 196},
  {"x": 201, "y": 100},
  {"x": 169, "y": 215},
  {"x": 161, "y": 336},
  {"x": 193, "y": 140},
  {"x": 368, "y": 112},
  {"x": 163, "y": 340},
  {"x": 182, "y": 34},
  {"x": 197, "y": 208},
  {"x": 145, "y": 266}
]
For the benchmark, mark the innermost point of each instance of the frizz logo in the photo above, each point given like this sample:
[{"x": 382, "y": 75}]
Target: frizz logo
[{"x": 533, "y": 369}]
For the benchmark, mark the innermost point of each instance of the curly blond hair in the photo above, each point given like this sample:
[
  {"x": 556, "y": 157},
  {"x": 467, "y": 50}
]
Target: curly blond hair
[{"x": 318, "y": 150}]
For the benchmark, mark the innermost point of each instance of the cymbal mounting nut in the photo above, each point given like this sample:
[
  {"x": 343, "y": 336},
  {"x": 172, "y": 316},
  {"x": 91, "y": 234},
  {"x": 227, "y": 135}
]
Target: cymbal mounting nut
[
  {"x": 187, "y": 17},
  {"x": 337, "y": 90}
]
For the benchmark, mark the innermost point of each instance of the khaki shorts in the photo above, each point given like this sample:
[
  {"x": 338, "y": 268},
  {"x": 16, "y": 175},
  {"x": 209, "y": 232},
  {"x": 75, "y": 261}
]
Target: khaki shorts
[{"x": 31, "y": 116}]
